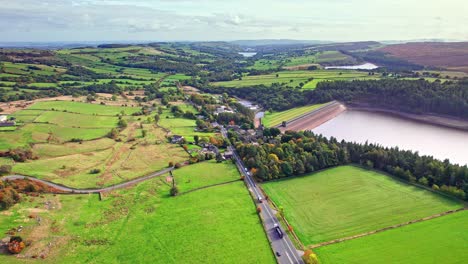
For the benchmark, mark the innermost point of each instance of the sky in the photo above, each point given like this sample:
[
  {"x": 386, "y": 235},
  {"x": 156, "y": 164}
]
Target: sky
[{"x": 180, "y": 20}]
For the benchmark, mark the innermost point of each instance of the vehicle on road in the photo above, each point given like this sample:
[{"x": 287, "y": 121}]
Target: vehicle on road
[
  {"x": 278, "y": 230},
  {"x": 259, "y": 198},
  {"x": 278, "y": 254}
]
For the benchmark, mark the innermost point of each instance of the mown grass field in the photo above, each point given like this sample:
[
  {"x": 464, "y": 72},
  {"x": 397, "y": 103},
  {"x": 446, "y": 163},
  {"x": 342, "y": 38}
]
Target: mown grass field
[
  {"x": 205, "y": 174},
  {"x": 83, "y": 108},
  {"x": 275, "y": 118},
  {"x": 143, "y": 224},
  {"x": 348, "y": 200},
  {"x": 440, "y": 240},
  {"x": 309, "y": 79}
]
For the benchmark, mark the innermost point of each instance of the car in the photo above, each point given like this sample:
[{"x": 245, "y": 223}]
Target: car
[
  {"x": 259, "y": 198},
  {"x": 278, "y": 254},
  {"x": 278, "y": 230}
]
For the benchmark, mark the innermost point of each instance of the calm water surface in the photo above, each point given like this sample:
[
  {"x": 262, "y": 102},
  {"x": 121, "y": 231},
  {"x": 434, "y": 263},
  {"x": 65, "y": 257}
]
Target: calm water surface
[
  {"x": 365, "y": 66},
  {"x": 248, "y": 54},
  {"x": 391, "y": 131}
]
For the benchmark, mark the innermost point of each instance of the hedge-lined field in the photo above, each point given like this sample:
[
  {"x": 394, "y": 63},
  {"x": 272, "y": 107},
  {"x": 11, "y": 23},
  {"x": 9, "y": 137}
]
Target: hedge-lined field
[
  {"x": 440, "y": 240},
  {"x": 347, "y": 200},
  {"x": 145, "y": 225}
]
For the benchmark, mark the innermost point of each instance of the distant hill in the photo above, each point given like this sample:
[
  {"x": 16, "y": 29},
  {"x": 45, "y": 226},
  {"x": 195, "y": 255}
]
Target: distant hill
[
  {"x": 270, "y": 42},
  {"x": 449, "y": 55}
]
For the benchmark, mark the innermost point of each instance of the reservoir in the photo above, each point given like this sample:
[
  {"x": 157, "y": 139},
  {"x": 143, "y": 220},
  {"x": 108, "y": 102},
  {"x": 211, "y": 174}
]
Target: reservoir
[
  {"x": 248, "y": 54},
  {"x": 391, "y": 131},
  {"x": 365, "y": 66}
]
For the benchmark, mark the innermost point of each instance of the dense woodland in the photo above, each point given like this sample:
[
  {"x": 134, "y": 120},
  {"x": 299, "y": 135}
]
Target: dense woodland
[
  {"x": 274, "y": 97},
  {"x": 296, "y": 153},
  {"x": 409, "y": 96}
]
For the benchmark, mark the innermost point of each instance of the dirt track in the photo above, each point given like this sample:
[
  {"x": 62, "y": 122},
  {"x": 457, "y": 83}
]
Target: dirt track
[{"x": 315, "y": 118}]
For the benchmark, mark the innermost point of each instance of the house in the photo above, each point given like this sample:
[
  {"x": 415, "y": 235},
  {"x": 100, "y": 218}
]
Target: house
[
  {"x": 223, "y": 109},
  {"x": 176, "y": 139},
  {"x": 228, "y": 155},
  {"x": 4, "y": 121}
]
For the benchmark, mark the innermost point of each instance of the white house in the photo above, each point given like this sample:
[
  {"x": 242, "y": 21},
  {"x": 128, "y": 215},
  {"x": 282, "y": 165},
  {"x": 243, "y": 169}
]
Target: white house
[{"x": 3, "y": 118}]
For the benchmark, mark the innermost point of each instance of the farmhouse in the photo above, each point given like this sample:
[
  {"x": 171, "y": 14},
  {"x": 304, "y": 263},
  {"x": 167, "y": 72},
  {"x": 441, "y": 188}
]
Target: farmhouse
[
  {"x": 4, "y": 121},
  {"x": 176, "y": 139},
  {"x": 228, "y": 154}
]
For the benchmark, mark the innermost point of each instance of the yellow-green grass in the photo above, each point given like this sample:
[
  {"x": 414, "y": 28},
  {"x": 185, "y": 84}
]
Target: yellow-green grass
[
  {"x": 84, "y": 108},
  {"x": 70, "y": 163},
  {"x": 143, "y": 224},
  {"x": 47, "y": 150},
  {"x": 40, "y": 133},
  {"x": 275, "y": 118},
  {"x": 77, "y": 120},
  {"x": 348, "y": 200},
  {"x": 294, "y": 78},
  {"x": 204, "y": 174},
  {"x": 439, "y": 240},
  {"x": 182, "y": 126}
]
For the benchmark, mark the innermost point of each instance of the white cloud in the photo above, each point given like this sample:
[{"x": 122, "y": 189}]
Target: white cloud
[{"x": 226, "y": 19}]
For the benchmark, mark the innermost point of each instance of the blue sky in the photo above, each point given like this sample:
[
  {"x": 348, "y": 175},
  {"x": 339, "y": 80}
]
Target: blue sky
[{"x": 164, "y": 20}]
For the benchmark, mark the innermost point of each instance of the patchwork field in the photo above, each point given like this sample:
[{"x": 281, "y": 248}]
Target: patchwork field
[
  {"x": 309, "y": 79},
  {"x": 440, "y": 240},
  {"x": 275, "y": 118},
  {"x": 348, "y": 200},
  {"x": 143, "y": 225},
  {"x": 139, "y": 149}
]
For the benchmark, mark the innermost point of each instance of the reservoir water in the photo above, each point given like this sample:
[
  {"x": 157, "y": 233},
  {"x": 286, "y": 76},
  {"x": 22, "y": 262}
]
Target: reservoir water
[
  {"x": 365, "y": 66},
  {"x": 390, "y": 131},
  {"x": 248, "y": 54}
]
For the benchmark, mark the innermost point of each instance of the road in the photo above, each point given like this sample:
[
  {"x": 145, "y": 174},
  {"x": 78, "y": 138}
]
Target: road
[
  {"x": 82, "y": 191},
  {"x": 284, "y": 246}
]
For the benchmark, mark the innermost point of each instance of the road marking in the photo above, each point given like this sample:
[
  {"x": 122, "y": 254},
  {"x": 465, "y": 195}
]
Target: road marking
[{"x": 289, "y": 257}]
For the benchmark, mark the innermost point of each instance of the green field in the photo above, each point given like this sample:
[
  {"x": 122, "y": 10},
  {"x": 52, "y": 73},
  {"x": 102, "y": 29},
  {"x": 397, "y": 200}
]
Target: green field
[
  {"x": 83, "y": 108},
  {"x": 294, "y": 78},
  {"x": 275, "y": 118},
  {"x": 440, "y": 240},
  {"x": 144, "y": 224},
  {"x": 348, "y": 200},
  {"x": 205, "y": 173}
]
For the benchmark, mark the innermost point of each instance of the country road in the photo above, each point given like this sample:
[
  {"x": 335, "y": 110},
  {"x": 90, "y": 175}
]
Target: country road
[
  {"x": 83, "y": 191},
  {"x": 284, "y": 246}
]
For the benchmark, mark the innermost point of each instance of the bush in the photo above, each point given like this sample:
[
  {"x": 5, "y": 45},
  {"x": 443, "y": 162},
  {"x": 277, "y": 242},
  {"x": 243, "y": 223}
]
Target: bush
[
  {"x": 5, "y": 169},
  {"x": 16, "y": 245},
  {"x": 174, "y": 191},
  {"x": 94, "y": 171}
]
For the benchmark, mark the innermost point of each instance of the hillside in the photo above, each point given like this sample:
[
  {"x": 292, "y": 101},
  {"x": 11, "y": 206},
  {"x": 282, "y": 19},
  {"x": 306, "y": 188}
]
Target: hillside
[{"x": 453, "y": 56}]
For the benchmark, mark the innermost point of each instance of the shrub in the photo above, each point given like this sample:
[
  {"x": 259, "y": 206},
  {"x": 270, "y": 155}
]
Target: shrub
[
  {"x": 94, "y": 171},
  {"x": 174, "y": 191},
  {"x": 5, "y": 169},
  {"x": 16, "y": 245}
]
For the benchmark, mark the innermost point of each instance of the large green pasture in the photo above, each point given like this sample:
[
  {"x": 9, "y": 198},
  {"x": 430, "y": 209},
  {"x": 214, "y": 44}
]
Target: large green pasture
[
  {"x": 347, "y": 200},
  {"x": 275, "y": 118},
  {"x": 84, "y": 108},
  {"x": 440, "y": 240},
  {"x": 204, "y": 174},
  {"x": 143, "y": 224}
]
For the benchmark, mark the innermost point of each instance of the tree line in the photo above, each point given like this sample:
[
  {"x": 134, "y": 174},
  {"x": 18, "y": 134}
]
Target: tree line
[
  {"x": 296, "y": 153},
  {"x": 402, "y": 95}
]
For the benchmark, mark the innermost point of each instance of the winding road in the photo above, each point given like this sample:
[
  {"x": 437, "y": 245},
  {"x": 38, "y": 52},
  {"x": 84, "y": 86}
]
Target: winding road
[{"x": 82, "y": 191}]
